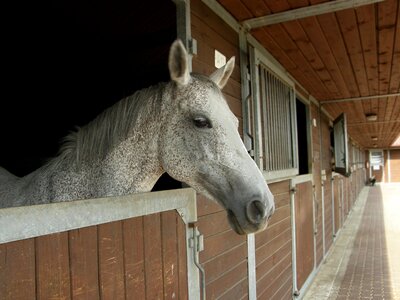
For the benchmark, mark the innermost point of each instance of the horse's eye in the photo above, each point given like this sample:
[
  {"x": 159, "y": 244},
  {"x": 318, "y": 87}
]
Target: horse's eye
[{"x": 202, "y": 122}]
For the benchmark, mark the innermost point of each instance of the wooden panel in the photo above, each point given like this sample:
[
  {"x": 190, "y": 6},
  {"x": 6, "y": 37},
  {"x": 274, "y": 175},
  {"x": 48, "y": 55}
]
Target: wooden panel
[
  {"x": 337, "y": 204},
  {"x": 134, "y": 258},
  {"x": 304, "y": 232},
  {"x": 52, "y": 267},
  {"x": 153, "y": 257},
  {"x": 273, "y": 247},
  {"x": 83, "y": 263},
  {"x": 182, "y": 259},
  {"x": 170, "y": 255},
  {"x": 395, "y": 165},
  {"x": 111, "y": 261},
  {"x": 17, "y": 270},
  {"x": 346, "y": 54}
]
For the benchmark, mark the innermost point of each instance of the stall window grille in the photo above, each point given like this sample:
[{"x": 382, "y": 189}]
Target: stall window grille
[
  {"x": 376, "y": 159},
  {"x": 278, "y": 125}
]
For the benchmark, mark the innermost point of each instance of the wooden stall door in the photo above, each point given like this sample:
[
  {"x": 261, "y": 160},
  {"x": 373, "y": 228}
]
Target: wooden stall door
[
  {"x": 138, "y": 258},
  {"x": 304, "y": 232}
]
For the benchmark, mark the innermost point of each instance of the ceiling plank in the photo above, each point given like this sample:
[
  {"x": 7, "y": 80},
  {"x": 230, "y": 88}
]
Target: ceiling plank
[
  {"x": 304, "y": 12},
  {"x": 360, "y": 98}
]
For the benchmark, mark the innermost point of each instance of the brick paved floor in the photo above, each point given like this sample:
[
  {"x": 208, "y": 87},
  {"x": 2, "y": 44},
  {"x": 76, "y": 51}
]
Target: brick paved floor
[{"x": 372, "y": 270}]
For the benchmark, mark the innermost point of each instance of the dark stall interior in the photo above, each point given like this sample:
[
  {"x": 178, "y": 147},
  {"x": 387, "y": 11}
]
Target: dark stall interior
[{"x": 64, "y": 62}]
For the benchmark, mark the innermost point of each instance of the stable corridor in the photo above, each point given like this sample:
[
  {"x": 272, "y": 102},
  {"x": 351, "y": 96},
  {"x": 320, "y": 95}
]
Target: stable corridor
[{"x": 364, "y": 263}]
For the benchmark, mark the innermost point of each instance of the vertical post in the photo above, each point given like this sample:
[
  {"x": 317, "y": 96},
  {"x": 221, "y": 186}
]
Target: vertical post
[
  {"x": 256, "y": 104},
  {"x": 183, "y": 29},
  {"x": 294, "y": 246},
  {"x": 251, "y": 266},
  {"x": 244, "y": 73},
  {"x": 388, "y": 162}
]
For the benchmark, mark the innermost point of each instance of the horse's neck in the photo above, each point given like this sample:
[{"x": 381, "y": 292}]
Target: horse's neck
[{"x": 129, "y": 167}]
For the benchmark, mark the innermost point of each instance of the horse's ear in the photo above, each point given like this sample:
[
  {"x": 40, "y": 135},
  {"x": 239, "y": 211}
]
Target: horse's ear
[
  {"x": 178, "y": 63},
  {"x": 221, "y": 76}
]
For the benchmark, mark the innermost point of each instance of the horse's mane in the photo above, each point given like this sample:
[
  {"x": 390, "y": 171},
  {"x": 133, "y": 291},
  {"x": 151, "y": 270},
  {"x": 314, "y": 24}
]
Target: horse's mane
[{"x": 94, "y": 140}]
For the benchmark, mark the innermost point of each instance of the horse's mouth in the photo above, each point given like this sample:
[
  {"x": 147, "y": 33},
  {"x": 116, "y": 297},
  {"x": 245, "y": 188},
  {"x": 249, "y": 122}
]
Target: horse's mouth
[{"x": 235, "y": 223}]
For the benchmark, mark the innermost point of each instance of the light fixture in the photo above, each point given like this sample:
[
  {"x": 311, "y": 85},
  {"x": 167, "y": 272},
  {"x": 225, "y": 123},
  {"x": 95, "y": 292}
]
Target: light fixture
[
  {"x": 374, "y": 138},
  {"x": 375, "y": 145},
  {"x": 371, "y": 117}
]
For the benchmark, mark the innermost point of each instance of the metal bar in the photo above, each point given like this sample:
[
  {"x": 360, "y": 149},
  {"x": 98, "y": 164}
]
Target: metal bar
[
  {"x": 303, "y": 12},
  {"x": 294, "y": 236},
  {"x": 264, "y": 117},
  {"x": 245, "y": 91},
  {"x": 359, "y": 98},
  {"x": 256, "y": 100},
  {"x": 270, "y": 123},
  {"x": 17, "y": 223},
  {"x": 251, "y": 262}
]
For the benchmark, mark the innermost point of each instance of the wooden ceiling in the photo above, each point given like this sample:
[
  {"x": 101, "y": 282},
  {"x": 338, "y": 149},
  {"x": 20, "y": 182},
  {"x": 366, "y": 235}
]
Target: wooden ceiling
[{"x": 350, "y": 53}]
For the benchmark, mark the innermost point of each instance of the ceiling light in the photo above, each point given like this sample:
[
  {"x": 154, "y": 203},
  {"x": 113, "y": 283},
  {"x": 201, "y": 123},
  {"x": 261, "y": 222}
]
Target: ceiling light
[
  {"x": 374, "y": 138},
  {"x": 371, "y": 117},
  {"x": 375, "y": 145}
]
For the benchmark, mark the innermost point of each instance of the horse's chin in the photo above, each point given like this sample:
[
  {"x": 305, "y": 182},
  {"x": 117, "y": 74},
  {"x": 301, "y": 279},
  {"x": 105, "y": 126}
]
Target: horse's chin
[{"x": 233, "y": 221}]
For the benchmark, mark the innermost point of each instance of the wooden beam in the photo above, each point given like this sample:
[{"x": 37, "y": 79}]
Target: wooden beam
[
  {"x": 303, "y": 12},
  {"x": 359, "y": 98},
  {"x": 372, "y": 123}
]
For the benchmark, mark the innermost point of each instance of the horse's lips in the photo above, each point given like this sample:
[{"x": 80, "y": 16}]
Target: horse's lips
[{"x": 234, "y": 223}]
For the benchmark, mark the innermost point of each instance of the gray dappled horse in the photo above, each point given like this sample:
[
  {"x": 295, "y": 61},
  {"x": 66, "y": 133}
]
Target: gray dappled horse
[{"x": 183, "y": 127}]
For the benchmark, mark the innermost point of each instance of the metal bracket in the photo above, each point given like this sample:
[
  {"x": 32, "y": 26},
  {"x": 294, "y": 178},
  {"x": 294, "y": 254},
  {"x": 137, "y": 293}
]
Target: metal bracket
[
  {"x": 193, "y": 46},
  {"x": 196, "y": 242}
]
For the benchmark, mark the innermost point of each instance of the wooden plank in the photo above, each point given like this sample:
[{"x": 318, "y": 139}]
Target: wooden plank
[
  {"x": 324, "y": 51},
  {"x": 387, "y": 16},
  {"x": 302, "y": 38},
  {"x": 111, "y": 261},
  {"x": 287, "y": 45},
  {"x": 153, "y": 257},
  {"x": 272, "y": 231},
  {"x": 239, "y": 291},
  {"x": 169, "y": 254},
  {"x": 230, "y": 279},
  {"x": 203, "y": 12},
  {"x": 206, "y": 206},
  {"x": 52, "y": 267},
  {"x": 348, "y": 24},
  {"x": 304, "y": 232},
  {"x": 367, "y": 26},
  {"x": 237, "y": 9},
  {"x": 219, "y": 244},
  {"x": 84, "y": 263},
  {"x": 17, "y": 270},
  {"x": 279, "y": 187},
  {"x": 218, "y": 266},
  {"x": 333, "y": 35},
  {"x": 266, "y": 283},
  {"x": 213, "y": 223},
  {"x": 134, "y": 258},
  {"x": 287, "y": 62},
  {"x": 268, "y": 249},
  {"x": 265, "y": 266},
  {"x": 395, "y": 75}
]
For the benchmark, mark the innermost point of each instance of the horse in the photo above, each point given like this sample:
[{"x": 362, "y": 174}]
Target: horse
[{"x": 183, "y": 127}]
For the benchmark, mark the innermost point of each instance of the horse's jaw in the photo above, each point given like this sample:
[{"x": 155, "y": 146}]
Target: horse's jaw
[{"x": 247, "y": 199}]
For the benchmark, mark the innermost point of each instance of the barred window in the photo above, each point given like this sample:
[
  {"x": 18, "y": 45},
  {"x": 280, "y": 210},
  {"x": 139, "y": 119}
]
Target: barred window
[{"x": 274, "y": 124}]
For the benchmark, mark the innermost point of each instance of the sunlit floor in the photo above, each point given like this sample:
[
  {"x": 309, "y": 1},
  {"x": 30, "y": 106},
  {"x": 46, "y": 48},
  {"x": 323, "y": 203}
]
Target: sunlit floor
[{"x": 365, "y": 260}]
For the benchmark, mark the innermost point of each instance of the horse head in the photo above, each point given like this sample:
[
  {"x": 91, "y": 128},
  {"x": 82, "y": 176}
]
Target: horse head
[{"x": 200, "y": 145}]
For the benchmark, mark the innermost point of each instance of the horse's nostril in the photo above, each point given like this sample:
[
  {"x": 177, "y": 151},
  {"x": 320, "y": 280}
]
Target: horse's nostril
[{"x": 255, "y": 211}]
